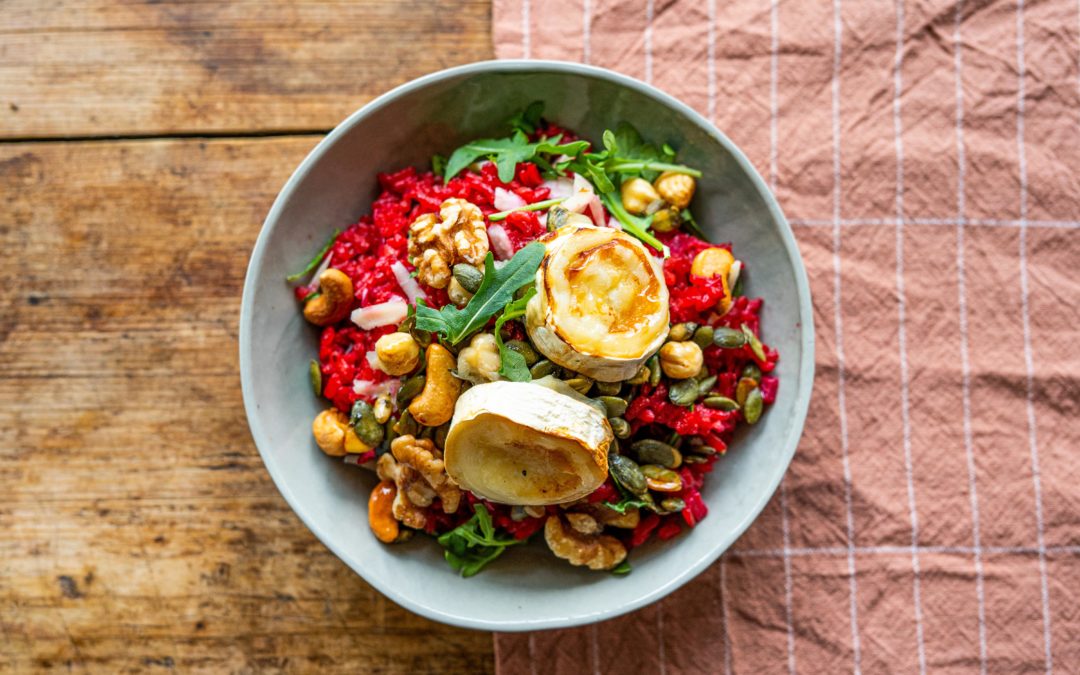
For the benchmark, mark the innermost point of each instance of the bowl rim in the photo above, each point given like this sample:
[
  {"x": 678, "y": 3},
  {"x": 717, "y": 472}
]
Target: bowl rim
[{"x": 806, "y": 323}]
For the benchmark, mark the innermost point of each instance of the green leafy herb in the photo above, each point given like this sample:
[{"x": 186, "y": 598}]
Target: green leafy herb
[
  {"x": 513, "y": 366},
  {"x": 622, "y": 568},
  {"x": 690, "y": 224},
  {"x": 627, "y": 503},
  {"x": 528, "y": 120},
  {"x": 438, "y": 165},
  {"x": 635, "y": 225},
  {"x": 314, "y": 261},
  {"x": 508, "y": 152},
  {"x": 316, "y": 377},
  {"x": 473, "y": 544},
  {"x": 627, "y": 155},
  {"x": 536, "y": 206},
  {"x": 311, "y": 296},
  {"x": 496, "y": 290}
]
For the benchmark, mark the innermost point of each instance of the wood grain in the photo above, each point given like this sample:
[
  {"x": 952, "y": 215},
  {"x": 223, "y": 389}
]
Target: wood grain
[
  {"x": 145, "y": 68},
  {"x": 138, "y": 529}
]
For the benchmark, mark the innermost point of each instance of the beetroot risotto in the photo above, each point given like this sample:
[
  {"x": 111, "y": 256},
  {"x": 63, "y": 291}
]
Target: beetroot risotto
[{"x": 535, "y": 336}]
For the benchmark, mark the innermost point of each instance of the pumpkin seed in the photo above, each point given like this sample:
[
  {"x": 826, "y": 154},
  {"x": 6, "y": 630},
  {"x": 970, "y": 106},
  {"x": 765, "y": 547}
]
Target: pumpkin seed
[
  {"x": 468, "y": 276},
  {"x": 654, "y": 370},
  {"x": 752, "y": 371},
  {"x": 652, "y": 451},
  {"x": 682, "y": 332},
  {"x": 683, "y": 392},
  {"x": 407, "y": 324},
  {"x": 754, "y": 342},
  {"x": 517, "y": 514},
  {"x": 695, "y": 459},
  {"x": 673, "y": 505},
  {"x": 410, "y": 389},
  {"x": 422, "y": 337},
  {"x": 659, "y": 479},
  {"x": 703, "y": 449},
  {"x": 616, "y": 407},
  {"x": 642, "y": 376},
  {"x": 703, "y": 336},
  {"x": 753, "y": 407},
  {"x": 542, "y": 369},
  {"x": 382, "y": 409},
  {"x": 742, "y": 389},
  {"x": 620, "y": 427},
  {"x": 608, "y": 388},
  {"x": 728, "y": 338},
  {"x": 580, "y": 384},
  {"x": 720, "y": 403},
  {"x": 526, "y": 351},
  {"x": 706, "y": 384},
  {"x": 427, "y": 433},
  {"x": 406, "y": 425},
  {"x": 316, "y": 377},
  {"x": 440, "y": 435},
  {"x": 627, "y": 473},
  {"x": 367, "y": 428}
]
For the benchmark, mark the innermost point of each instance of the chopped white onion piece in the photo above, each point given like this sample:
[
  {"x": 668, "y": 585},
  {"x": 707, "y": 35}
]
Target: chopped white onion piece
[
  {"x": 373, "y": 389},
  {"x": 506, "y": 200},
  {"x": 408, "y": 284},
  {"x": 391, "y": 312},
  {"x": 314, "y": 280},
  {"x": 500, "y": 242},
  {"x": 614, "y": 223},
  {"x": 559, "y": 188},
  {"x": 373, "y": 360},
  {"x": 596, "y": 210}
]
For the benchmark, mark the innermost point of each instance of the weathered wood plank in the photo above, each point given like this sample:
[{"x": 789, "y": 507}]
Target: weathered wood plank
[
  {"x": 138, "y": 528},
  {"x": 74, "y": 68}
]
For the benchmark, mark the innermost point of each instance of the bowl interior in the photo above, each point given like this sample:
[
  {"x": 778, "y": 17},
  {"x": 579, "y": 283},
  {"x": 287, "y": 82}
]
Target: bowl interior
[{"x": 526, "y": 588}]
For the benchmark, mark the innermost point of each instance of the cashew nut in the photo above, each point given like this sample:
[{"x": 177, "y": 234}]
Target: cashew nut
[
  {"x": 435, "y": 404},
  {"x": 380, "y": 512},
  {"x": 330, "y": 428},
  {"x": 334, "y": 301},
  {"x": 398, "y": 353}
]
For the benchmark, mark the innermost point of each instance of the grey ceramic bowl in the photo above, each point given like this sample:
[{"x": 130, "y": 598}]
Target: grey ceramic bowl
[{"x": 527, "y": 588}]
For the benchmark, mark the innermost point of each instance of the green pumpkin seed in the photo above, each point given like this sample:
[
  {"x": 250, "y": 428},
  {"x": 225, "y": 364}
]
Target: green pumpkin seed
[
  {"x": 673, "y": 505},
  {"x": 620, "y": 427},
  {"x": 468, "y": 276},
  {"x": 743, "y": 389},
  {"x": 367, "y": 428},
  {"x": 316, "y": 377},
  {"x": 440, "y": 435},
  {"x": 407, "y": 324},
  {"x": 703, "y": 336},
  {"x": 627, "y": 473},
  {"x": 706, "y": 384},
  {"x": 542, "y": 369},
  {"x": 752, "y": 371},
  {"x": 652, "y": 451},
  {"x": 641, "y": 378},
  {"x": 406, "y": 425},
  {"x": 695, "y": 459},
  {"x": 608, "y": 388},
  {"x": 753, "y": 407},
  {"x": 659, "y": 479},
  {"x": 616, "y": 407},
  {"x": 728, "y": 338},
  {"x": 654, "y": 370},
  {"x": 682, "y": 332},
  {"x": 580, "y": 384},
  {"x": 410, "y": 389},
  {"x": 427, "y": 433},
  {"x": 526, "y": 351},
  {"x": 721, "y": 403},
  {"x": 754, "y": 342},
  {"x": 683, "y": 392}
]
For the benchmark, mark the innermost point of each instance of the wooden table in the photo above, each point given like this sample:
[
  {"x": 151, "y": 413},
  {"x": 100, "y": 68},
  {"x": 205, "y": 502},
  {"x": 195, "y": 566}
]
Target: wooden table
[{"x": 141, "y": 144}]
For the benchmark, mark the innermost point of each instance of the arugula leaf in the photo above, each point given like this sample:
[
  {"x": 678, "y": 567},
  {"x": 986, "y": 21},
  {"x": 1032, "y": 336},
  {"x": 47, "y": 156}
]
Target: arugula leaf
[
  {"x": 508, "y": 152},
  {"x": 473, "y": 544},
  {"x": 627, "y": 503},
  {"x": 528, "y": 120},
  {"x": 314, "y": 262},
  {"x": 622, "y": 568},
  {"x": 438, "y": 165},
  {"x": 635, "y": 225},
  {"x": 496, "y": 290},
  {"x": 513, "y": 366}
]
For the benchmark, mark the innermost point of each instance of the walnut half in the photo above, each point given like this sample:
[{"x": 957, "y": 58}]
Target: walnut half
[
  {"x": 437, "y": 243},
  {"x": 597, "y": 551},
  {"x": 416, "y": 467}
]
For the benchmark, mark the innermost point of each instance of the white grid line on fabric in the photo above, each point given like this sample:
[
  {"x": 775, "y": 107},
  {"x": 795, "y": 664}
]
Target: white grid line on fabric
[
  {"x": 942, "y": 222},
  {"x": 785, "y": 515},
  {"x": 1026, "y": 315},
  {"x": 837, "y": 551},
  {"x": 594, "y": 648},
  {"x": 532, "y": 653},
  {"x": 901, "y": 339},
  {"x": 586, "y": 31},
  {"x": 526, "y": 39},
  {"x": 856, "y": 651},
  {"x": 725, "y": 622},
  {"x": 660, "y": 637},
  {"x": 965, "y": 362},
  {"x": 648, "y": 40},
  {"x": 711, "y": 73}
]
